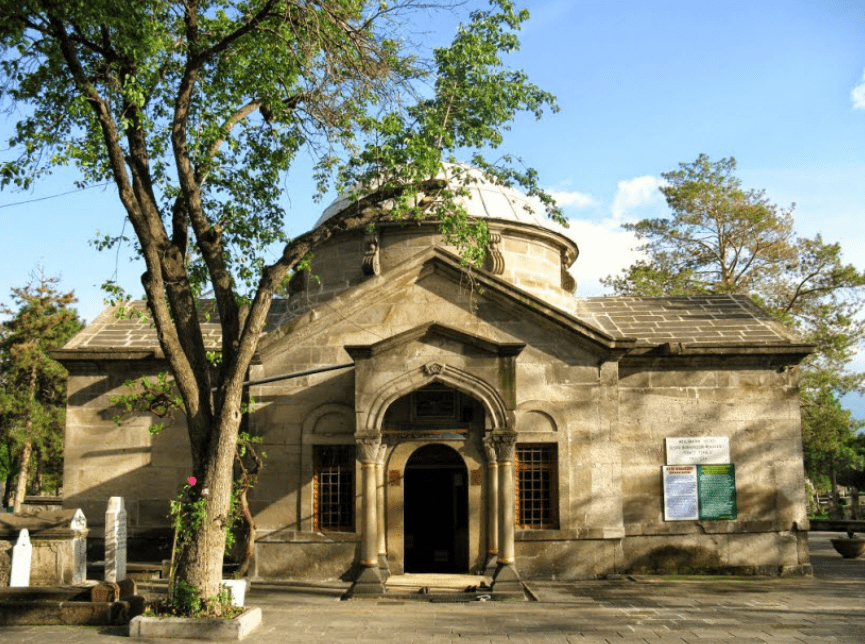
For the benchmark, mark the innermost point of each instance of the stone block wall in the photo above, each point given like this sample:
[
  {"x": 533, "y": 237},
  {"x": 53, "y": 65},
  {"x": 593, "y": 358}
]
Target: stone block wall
[
  {"x": 104, "y": 459},
  {"x": 757, "y": 409}
]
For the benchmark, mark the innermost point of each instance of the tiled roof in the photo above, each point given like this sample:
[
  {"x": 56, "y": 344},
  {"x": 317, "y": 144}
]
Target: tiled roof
[
  {"x": 723, "y": 320},
  {"x": 695, "y": 320},
  {"x": 129, "y": 327}
]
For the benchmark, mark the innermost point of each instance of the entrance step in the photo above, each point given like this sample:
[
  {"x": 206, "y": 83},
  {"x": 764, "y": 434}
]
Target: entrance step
[{"x": 437, "y": 583}]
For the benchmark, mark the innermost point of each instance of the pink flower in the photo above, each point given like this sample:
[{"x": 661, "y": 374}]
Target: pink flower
[{"x": 191, "y": 480}]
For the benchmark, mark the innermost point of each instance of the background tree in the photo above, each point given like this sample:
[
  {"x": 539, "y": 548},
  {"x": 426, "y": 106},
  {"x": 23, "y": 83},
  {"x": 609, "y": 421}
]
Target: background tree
[
  {"x": 33, "y": 394},
  {"x": 196, "y": 109},
  {"x": 723, "y": 238}
]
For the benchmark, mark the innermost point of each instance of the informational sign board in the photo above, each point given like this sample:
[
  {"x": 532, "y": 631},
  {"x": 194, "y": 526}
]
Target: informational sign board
[
  {"x": 698, "y": 450},
  {"x": 680, "y": 493},
  {"x": 717, "y": 492},
  {"x": 704, "y": 492}
]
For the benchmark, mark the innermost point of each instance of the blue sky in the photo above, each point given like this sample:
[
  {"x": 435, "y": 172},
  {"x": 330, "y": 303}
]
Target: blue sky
[{"x": 643, "y": 85}]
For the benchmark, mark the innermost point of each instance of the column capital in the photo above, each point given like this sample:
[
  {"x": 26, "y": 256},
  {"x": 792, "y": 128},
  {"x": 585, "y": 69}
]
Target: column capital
[
  {"x": 505, "y": 446},
  {"x": 381, "y": 454},
  {"x": 368, "y": 449},
  {"x": 489, "y": 448}
]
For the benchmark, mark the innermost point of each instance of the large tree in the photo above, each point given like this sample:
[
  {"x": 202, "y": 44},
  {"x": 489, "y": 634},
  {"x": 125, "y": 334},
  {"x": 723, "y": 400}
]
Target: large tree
[
  {"x": 196, "y": 109},
  {"x": 723, "y": 238},
  {"x": 32, "y": 385}
]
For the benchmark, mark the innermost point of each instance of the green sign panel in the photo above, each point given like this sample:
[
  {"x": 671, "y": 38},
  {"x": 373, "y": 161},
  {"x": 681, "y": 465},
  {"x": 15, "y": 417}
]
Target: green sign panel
[{"x": 716, "y": 489}]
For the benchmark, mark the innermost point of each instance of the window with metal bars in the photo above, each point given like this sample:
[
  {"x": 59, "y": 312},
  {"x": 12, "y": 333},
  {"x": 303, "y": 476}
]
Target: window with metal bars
[
  {"x": 333, "y": 488},
  {"x": 537, "y": 486}
]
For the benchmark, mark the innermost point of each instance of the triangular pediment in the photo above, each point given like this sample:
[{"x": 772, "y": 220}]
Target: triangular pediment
[
  {"x": 478, "y": 289},
  {"x": 430, "y": 330}
]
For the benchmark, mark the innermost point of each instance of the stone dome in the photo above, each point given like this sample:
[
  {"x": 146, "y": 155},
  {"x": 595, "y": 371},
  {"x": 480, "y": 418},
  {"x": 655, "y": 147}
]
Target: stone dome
[
  {"x": 486, "y": 199},
  {"x": 526, "y": 248}
]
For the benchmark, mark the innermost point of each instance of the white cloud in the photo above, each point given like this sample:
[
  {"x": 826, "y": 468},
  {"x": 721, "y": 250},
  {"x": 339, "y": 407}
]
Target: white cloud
[
  {"x": 857, "y": 95},
  {"x": 605, "y": 249},
  {"x": 633, "y": 194},
  {"x": 573, "y": 198}
]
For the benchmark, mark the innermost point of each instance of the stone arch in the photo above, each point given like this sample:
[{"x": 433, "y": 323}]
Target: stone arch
[
  {"x": 540, "y": 410},
  {"x": 313, "y": 423},
  {"x": 436, "y": 510},
  {"x": 497, "y": 418},
  {"x": 314, "y": 432},
  {"x": 398, "y": 457}
]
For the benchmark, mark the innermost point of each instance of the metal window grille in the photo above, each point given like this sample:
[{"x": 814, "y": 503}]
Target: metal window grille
[
  {"x": 537, "y": 486},
  {"x": 333, "y": 488}
]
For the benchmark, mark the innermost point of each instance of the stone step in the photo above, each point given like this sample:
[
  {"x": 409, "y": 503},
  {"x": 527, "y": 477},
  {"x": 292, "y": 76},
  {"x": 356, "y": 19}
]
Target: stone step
[{"x": 437, "y": 583}]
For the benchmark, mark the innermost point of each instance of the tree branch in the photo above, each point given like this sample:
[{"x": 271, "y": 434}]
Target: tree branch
[{"x": 226, "y": 128}]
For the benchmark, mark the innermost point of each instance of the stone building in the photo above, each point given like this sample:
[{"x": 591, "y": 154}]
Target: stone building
[{"x": 475, "y": 420}]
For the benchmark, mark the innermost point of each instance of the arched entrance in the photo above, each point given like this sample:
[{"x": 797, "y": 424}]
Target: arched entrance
[{"x": 436, "y": 517}]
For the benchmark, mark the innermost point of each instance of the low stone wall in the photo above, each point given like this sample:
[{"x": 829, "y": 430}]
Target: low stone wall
[
  {"x": 838, "y": 525},
  {"x": 304, "y": 559},
  {"x": 759, "y": 553}
]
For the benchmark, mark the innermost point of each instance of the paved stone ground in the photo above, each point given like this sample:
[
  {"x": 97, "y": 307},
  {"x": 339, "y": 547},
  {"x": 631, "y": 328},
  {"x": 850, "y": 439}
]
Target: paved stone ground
[{"x": 830, "y": 607}]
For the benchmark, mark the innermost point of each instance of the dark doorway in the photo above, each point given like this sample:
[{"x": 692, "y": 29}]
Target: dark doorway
[{"x": 436, "y": 511}]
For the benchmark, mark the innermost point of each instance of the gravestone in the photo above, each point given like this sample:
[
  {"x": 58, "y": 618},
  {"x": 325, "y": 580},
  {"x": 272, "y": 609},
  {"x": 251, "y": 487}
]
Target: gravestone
[
  {"x": 22, "y": 554},
  {"x": 127, "y": 588},
  {"x": 79, "y": 547},
  {"x": 115, "y": 540},
  {"x": 107, "y": 591}
]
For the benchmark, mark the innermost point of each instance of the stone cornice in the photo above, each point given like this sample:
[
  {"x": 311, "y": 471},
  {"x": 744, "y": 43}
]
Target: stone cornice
[{"x": 502, "y": 349}]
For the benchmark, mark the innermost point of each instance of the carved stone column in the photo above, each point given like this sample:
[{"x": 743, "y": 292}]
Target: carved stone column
[
  {"x": 506, "y": 577},
  {"x": 369, "y": 580},
  {"x": 380, "y": 513},
  {"x": 492, "y": 505}
]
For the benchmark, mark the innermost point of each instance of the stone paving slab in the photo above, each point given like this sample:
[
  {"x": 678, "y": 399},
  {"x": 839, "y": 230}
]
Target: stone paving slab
[{"x": 827, "y": 608}]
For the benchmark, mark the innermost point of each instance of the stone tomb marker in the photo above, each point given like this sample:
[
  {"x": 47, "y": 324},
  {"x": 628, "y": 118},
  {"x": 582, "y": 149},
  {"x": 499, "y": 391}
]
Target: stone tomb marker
[
  {"x": 107, "y": 591},
  {"x": 22, "y": 554},
  {"x": 115, "y": 540},
  {"x": 79, "y": 548}
]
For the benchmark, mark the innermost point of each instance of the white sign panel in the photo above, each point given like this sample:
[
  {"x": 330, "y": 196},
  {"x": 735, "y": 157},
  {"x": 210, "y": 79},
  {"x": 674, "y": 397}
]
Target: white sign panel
[
  {"x": 702, "y": 450},
  {"x": 680, "y": 493}
]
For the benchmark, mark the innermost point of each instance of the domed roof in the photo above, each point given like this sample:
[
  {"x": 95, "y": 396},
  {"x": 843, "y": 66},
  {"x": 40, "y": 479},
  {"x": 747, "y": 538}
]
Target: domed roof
[{"x": 486, "y": 199}]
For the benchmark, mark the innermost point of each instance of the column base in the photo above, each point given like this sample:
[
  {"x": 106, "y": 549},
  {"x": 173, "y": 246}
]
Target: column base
[
  {"x": 492, "y": 564},
  {"x": 383, "y": 567},
  {"x": 368, "y": 582},
  {"x": 506, "y": 581}
]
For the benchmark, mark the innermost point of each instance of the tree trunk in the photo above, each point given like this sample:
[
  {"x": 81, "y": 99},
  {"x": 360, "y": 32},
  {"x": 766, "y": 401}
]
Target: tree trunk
[
  {"x": 23, "y": 474},
  {"x": 201, "y": 564},
  {"x": 9, "y": 484},
  {"x": 27, "y": 450}
]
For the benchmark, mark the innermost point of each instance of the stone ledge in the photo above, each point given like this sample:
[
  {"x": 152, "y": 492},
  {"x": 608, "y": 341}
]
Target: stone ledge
[
  {"x": 196, "y": 628},
  {"x": 608, "y": 533},
  {"x": 48, "y": 612},
  {"x": 297, "y": 536}
]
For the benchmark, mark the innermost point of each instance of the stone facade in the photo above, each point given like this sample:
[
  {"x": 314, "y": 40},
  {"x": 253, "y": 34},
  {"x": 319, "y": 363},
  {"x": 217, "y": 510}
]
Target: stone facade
[{"x": 486, "y": 419}]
